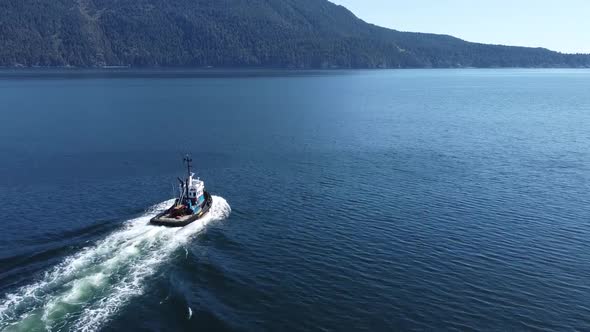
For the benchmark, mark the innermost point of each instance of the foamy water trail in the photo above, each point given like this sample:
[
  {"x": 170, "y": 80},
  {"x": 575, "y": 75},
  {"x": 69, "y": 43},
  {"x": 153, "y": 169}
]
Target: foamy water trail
[{"x": 84, "y": 291}]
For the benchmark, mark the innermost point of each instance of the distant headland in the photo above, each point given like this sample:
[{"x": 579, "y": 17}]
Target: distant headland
[{"x": 297, "y": 34}]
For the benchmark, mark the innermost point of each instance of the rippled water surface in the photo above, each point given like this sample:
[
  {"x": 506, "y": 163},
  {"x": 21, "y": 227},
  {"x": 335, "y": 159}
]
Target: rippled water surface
[{"x": 362, "y": 200}]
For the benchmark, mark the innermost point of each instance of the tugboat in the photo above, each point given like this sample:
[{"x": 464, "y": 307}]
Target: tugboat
[{"x": 192, "y": 203}]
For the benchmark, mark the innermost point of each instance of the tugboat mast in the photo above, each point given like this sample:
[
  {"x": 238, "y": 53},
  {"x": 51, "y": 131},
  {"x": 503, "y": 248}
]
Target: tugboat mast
[{"x": 188, "y": 160}]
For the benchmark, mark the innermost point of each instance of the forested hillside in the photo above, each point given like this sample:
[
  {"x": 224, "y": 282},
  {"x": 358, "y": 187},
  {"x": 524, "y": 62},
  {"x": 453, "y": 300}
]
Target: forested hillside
[{"x": 233, "y": 33}]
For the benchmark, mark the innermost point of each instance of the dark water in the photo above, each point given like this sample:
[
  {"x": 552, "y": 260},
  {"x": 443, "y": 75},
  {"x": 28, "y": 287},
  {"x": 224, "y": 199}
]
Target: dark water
[{"x": 360, "y": 201}]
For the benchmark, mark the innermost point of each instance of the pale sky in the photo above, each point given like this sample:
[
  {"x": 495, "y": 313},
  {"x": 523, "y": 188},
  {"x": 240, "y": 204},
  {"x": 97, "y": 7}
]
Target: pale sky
[{"x": 560, "y": 25}]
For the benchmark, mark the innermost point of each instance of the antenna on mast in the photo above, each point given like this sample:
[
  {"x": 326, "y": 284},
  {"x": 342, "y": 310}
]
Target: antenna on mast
[{"x": 188, "y": 160}]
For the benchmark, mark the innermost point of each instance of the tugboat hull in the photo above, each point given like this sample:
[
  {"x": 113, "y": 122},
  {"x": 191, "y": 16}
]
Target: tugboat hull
[{"x": 164, "y": 218}]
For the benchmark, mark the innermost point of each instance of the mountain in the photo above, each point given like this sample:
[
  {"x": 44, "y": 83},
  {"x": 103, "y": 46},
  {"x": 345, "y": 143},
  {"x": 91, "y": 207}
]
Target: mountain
[{"x": 234, "y": 33}]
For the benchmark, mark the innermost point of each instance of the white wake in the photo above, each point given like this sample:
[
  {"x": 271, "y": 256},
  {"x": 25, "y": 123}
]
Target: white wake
[{"x": 84, "y": 291}]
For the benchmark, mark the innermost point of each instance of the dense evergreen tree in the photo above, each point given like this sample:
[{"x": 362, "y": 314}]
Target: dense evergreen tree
[{"x": 232, "y": 33}]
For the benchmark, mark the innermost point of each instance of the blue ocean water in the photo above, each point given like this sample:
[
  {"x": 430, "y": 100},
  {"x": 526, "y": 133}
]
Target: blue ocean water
[{"x": 344, "y": 200}]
